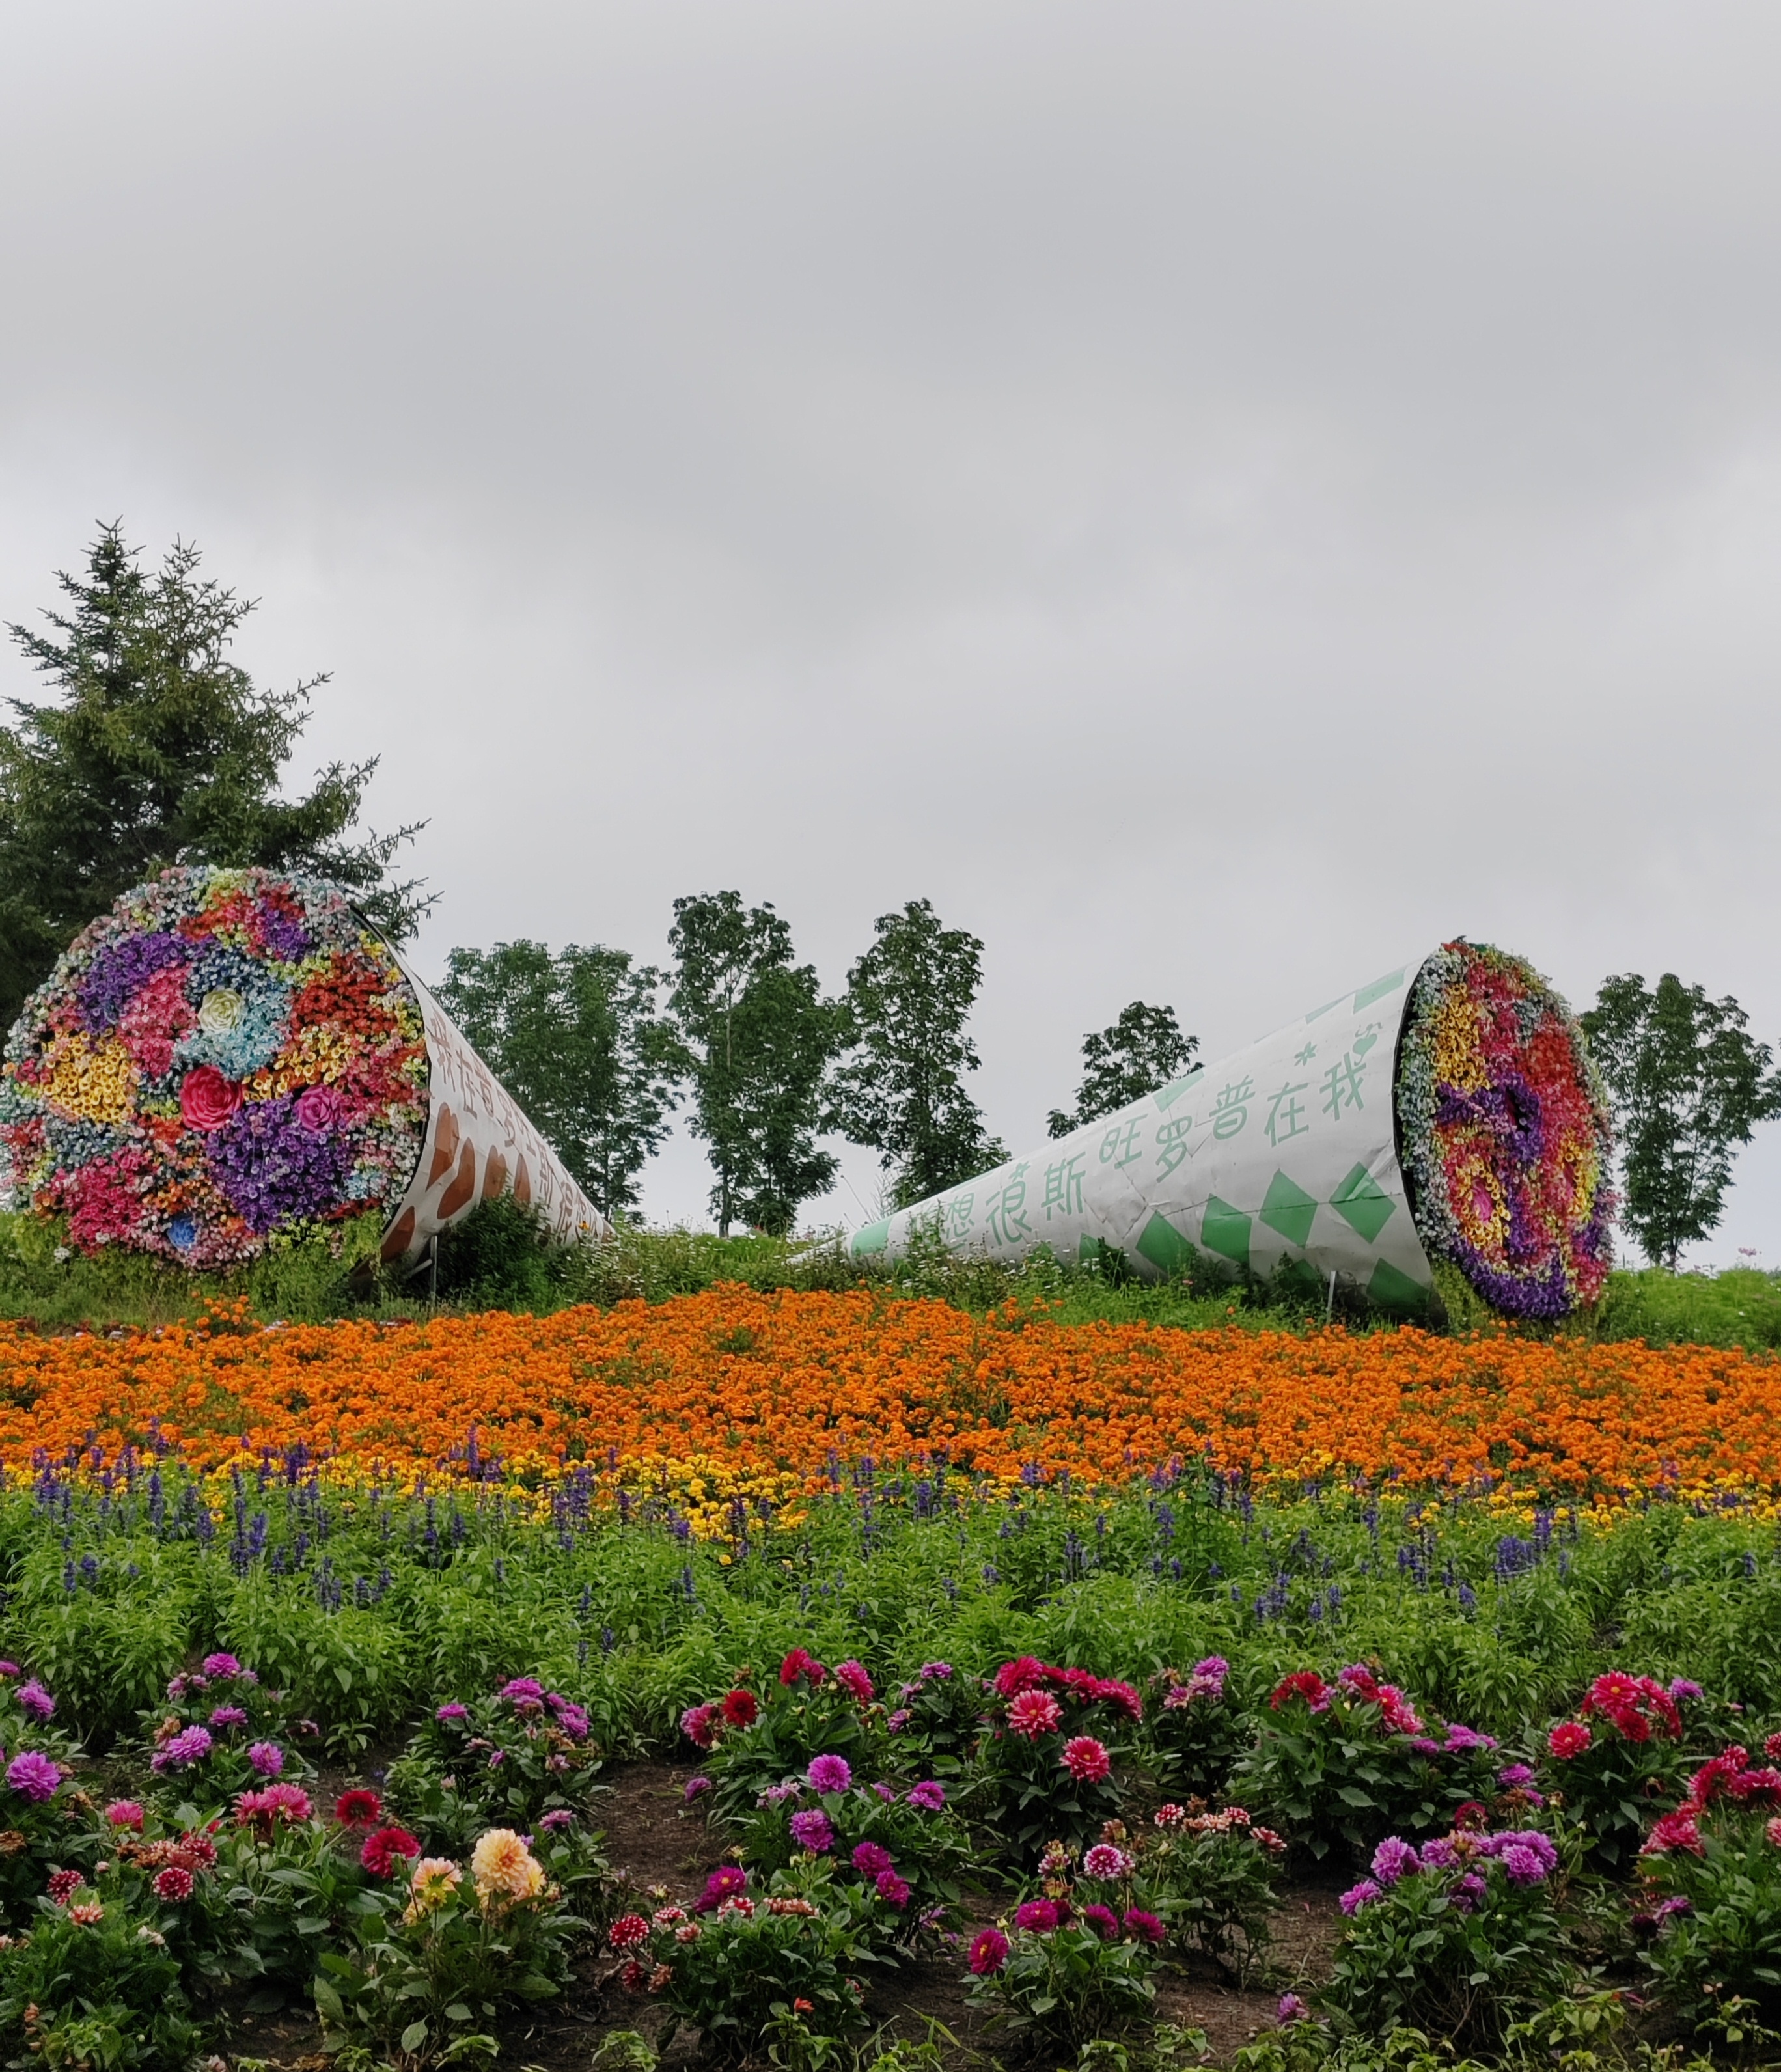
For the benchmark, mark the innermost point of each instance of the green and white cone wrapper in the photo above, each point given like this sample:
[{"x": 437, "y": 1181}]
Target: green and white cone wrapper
[{"x": 1285, "y": 1158}]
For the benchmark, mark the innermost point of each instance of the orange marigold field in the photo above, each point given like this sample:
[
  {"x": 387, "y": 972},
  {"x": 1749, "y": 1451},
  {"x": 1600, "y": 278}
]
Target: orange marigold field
[{"x": 733, "y": 1388}]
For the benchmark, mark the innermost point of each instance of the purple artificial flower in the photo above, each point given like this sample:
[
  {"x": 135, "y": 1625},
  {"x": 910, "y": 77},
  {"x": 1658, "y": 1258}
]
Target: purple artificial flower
[
  {"x": 930, "y": 1796},
  {"x": 1424, "y": 1746},
  {"x": 1681, "y": 1688},
  {"x": 1038, "y": 1915},
  {"x": 1105, "y": 1861},
  {"x": 228, "y": 1716},
  {"x": 830, "y": 1773},
  {"x": 898, "y": 1720},
  {"x": 1521, "y": 1866},
  {"x": 1513, "y": 1775},
  {"x": 34, "y": 1699},
  {"x": 120, "y": 969},
  {"x": 185, "y": 1749},
  {"x": 1357, "y": 1896},
  {"x": 1394, "y": 1859},
  {"x": 521, "y": 1686},
  {"x": 1145, "y": 1926},
  {"x": 696, "y": 1788},
  {"x": 887, "y": 1792},
  {"x": 272, "y": 1170},
  {"x": 34, "y": 1776},
  {"x": 221, "y": 1665},
  {"x": 811, "y": 1829},
  {"x": 571, "y": 1717},
  {"x": 453, "y": 1711},
  {"x": 892, "y": 1889},
  {"x": 935, "y": 1671},
  {"x": 1439, "y": 1854},
  {"x": 1538, "y": 1845},
  {"x": 1464, "y": 1741},
  {"x": 775, "y": 1795},
  {"x": 1102, "y": 1920},
  {"x": 1291, "y": 2009},
  {"x": 1468, "y": 1891},
  {"x": 870, "y": 1858},
  {"x": 558, "y": 1817},
  {"x": 267, "y": 1758}
]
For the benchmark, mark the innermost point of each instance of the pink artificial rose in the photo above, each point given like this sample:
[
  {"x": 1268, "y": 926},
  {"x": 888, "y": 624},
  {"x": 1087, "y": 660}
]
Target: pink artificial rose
[
  {"x": 207, "y": 1099},
  {"x": 320, "y": 1108}
]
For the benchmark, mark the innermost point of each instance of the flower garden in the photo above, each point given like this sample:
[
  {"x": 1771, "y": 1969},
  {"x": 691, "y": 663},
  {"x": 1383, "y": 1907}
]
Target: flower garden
[{"x": 777, "y": 1676}]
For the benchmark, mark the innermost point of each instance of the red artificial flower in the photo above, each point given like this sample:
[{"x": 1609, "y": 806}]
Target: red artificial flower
[
  {"x": 173, "y": 1884},
  {"x": 384, "y": 1851},
  {"x": 1033, "y": 1713},
  {"x": 1086, "y": 1759},
  {"x": 1020, "y": 1675},
  {"x": 358, "y": 1808},
  {"x": 1304, "y": 1683},
  {"x": 801, "y": 1663},
  {"x": 741, "y": 1708},
  {"x": 1570, "y": 1738},
  {"x": 1674, "y": 1831},
  {"x": 207, "y": 1099},
  {"x": 626, "y": 1932}
]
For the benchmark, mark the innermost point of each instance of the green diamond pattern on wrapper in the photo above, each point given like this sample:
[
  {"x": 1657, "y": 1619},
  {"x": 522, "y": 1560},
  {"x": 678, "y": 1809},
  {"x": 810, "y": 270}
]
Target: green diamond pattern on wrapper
[{"x": 1445, "y": 1111}]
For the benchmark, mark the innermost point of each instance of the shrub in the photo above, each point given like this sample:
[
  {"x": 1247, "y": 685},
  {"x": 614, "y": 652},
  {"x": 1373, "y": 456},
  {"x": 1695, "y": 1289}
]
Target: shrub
[
  {"x": 935, "y": 1720},
  {"x": 1194, "y": 1729},
  {"x": 95, "y": 1984},
  {"x": 753, "y": 1741},
  {"x": 1456, "y": 1939},
  {"x": 1709, "y": 1897},
  {"x": 740, "y": 1955},
  {"x": 901, "y": 1843},
  {"x": 1043, "y": 1769},
  {"x": 1213, "y": 1875},
  {"x": 1067, "y": 1966},
  {"x": 221, "y": 1731},
  {"x": 1352, "y": 1760},
  {"x": 441, "y": 1945},
  {"x": 1616, "y": 1761},
  {"x": 511, "y": 1758}
]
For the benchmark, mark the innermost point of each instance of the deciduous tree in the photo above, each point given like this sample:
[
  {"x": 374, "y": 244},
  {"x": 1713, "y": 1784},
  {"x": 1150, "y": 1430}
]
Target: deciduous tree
[
  {"x": 901, "y": 1088},
  {"x": 1142, "y": 1051},
  {"x": 1689, "y": 1084},
  {"x": 577, "y": 1040},
  {"x": 755, "y": 1038}
]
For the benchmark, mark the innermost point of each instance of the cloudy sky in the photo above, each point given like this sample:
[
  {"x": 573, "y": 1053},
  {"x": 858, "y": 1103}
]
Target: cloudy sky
[{"x": 1217, "y": 498}]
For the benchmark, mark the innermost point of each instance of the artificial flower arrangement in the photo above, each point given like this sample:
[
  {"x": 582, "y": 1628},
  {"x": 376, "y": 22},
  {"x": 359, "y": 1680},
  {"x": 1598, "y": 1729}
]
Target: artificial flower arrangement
[
  {"x": 1504, "y": 1130},
  {"x": 224, "y": 1057}
]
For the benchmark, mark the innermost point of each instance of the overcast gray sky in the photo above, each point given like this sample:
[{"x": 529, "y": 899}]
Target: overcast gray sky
[{"x": 1217, "y": 498}]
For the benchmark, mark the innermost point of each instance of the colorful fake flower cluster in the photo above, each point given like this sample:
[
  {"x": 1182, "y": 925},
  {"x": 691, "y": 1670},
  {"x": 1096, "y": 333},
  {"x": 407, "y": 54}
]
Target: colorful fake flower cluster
[
  {"x": 227, "y": 1054},
  {"x": 1505, "y": 1133}
]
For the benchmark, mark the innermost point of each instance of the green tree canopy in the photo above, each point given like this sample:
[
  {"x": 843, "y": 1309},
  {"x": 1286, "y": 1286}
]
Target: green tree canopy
[
  {"x": 901, "y": 1088},
  {"x": 1689, "y": 1084},
  {"x": 1142, "y": 1051},
  {"x": 755, "y": 1039},
  {"x": 159, "y": 750},
  {"x": 575, "y": 1038}
]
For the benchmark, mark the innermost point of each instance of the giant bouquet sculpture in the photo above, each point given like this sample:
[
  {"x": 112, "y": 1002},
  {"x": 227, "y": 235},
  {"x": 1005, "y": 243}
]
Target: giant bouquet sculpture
[
  {"x": 229, "y": 1056},
  {"x": 1449, "y": 1111}
]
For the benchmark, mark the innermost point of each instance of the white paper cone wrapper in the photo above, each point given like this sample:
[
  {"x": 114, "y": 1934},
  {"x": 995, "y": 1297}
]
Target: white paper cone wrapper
[
  {"x": 1285, "y": 1158},
  {"x": 478, "y": 1143}
]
